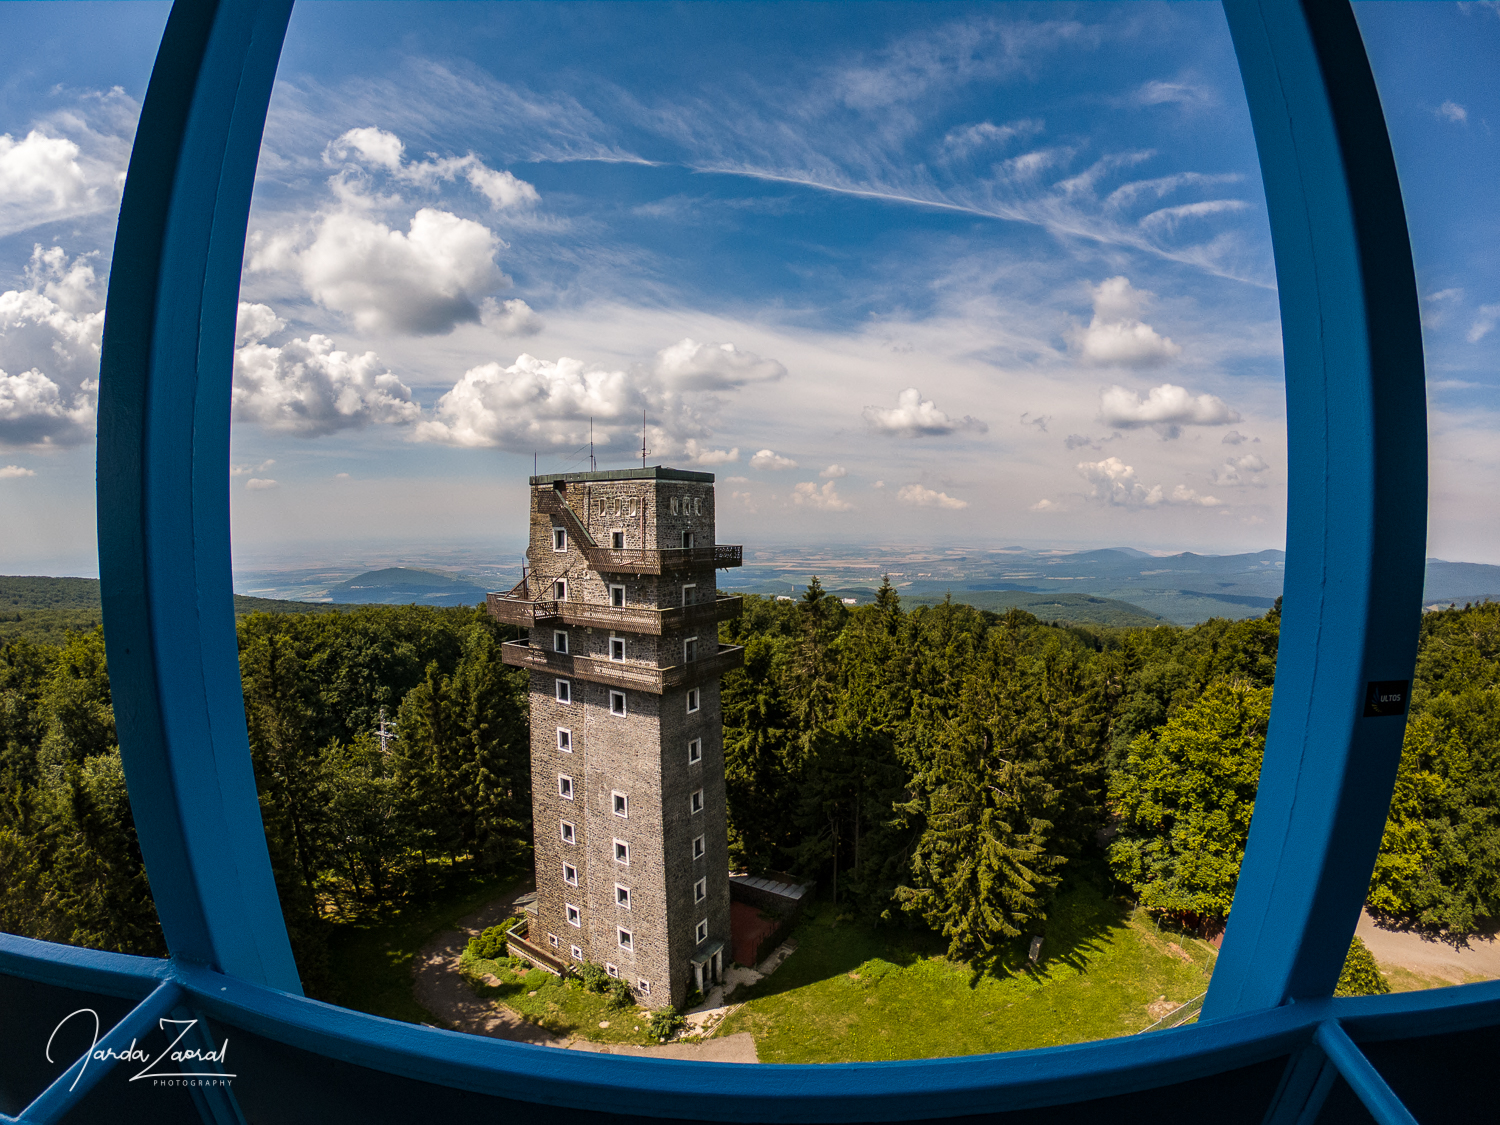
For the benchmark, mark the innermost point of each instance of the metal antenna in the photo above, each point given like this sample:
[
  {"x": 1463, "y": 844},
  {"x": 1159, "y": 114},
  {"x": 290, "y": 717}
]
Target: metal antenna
[
  {"x": 643, "y": 439},
  {"x": 385, "y": 731}
]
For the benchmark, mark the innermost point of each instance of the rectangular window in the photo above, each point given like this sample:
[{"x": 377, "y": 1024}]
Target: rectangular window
[
  {"x": 621, "y": 803},
  {"x": 617, "y": 540},
  {"x": 644, "y": 986},
  {"x": 565, "y": 788},
  {"x": 690, "y": 650},
  {"x": 559, "y": 539},
  {"x": 612, "y": 970},
  {"x": 700, "y": 890},
  {"x": 560, "y": 589},
  {"x": 570, "y": 874},
  {"x": 626, "y": 940},
  {"x": 559, "y": 641},
  {"x": 617, "y": 596},
  {"x": 689, "y": 593},
  {"x": 687, "y": 540},
  {"x": 617, "y": 703},
  {"x": 698, "y": 848},
  {"x": 574, "y": 917},
  {"x": 622, "y": 853},
  {"x": 622, "y": 895},
  {"x": 617, "y": 648},
  {"x": 692, "y": 700},
  {"x": 565, "y": 740},
  {"x": 568, "y": 835},
  {"x": 564, "y": 691},
  {"x": 577, "y": 954},
  {"x": 700, "y": 935},
  {"x": 695, "y": 751},
  {"x": 695, "y": 802},
  {"x": 552, "y": 940}
]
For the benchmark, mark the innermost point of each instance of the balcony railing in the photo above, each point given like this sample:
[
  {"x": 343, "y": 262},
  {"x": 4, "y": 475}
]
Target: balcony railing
[
  {"x": 529, "y": 613},
  {"x": 623, "y": 674}
]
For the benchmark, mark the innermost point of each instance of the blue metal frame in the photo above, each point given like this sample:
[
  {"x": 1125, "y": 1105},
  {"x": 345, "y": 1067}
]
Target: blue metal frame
[{"x": 1356, "y": 527}]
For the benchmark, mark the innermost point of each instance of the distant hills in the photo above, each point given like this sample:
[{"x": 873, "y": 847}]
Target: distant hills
[{"x": 402, "y": 585}]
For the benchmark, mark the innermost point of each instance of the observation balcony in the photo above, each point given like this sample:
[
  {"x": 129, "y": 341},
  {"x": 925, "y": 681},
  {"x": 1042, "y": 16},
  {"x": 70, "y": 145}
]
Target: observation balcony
[
  {"x": 529, "y": 613},
  {"x": 623, "y": 674},
  {"x": 636, "y": 560}
]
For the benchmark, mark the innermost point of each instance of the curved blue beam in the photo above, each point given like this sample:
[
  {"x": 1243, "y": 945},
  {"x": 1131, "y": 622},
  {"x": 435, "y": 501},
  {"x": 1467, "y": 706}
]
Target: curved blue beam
[
  {"x": 164, "y": 567},
  {"x": 1356, "y": 500}
]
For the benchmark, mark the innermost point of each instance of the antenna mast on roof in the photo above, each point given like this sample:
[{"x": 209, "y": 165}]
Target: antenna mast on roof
[{"x": 643, "y": 439}]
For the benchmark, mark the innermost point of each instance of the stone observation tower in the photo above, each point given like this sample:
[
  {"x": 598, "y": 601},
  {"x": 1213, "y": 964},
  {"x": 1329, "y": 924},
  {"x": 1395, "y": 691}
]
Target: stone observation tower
[{"x": 627, "y": 752}]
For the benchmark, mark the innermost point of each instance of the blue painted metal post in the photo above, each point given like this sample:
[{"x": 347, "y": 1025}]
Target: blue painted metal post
[
  {"x": 165, "y": 378},
  {"x": 1356, "y": 499}
]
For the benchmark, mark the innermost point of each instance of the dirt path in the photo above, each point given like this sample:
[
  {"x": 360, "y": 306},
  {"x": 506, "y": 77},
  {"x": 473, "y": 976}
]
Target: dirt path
[
  {"x": 1428, "y": 957},
  {"x": 439, "y": 987}
]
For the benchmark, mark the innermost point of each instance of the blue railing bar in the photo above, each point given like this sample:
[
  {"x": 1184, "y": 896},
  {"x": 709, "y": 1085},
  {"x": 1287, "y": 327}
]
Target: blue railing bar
[
  {"x": 1362, "y": 1077},
  {"x": 68, "y": 1089},
  {"x": 87, "y": 970}
]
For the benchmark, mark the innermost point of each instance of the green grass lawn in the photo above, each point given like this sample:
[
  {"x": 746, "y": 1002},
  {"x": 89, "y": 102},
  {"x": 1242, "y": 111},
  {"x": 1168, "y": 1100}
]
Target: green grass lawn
[
  {"x": 852, "y": 993},
  {"x": 562, "y": 1007},
  {"x": 370, "y": 961}
]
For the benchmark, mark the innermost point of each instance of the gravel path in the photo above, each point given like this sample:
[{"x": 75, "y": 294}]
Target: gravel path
[
  {"x": 439, "y": 987},
  {"x": 1429, "y": 957}
]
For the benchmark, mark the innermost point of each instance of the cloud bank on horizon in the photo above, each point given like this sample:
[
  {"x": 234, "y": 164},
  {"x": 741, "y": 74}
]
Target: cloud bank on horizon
[{"x": 934, "y": 249}]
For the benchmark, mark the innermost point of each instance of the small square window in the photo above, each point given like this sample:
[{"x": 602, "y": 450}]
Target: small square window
[
  {"x": 568, "y": 835},
  {"x": 700, "y": 935},
  {"x": 612, "y": 970},
  {"x": 617, "y": 648},
  {"x": 700, "y": 890},
  {"x": 698, "y": 848},
  {"x": 695, "y": 802},
  {"x": 695, "y": 751},
  {"x": 577, "y": 954},
  {"x": 574, "y": 917},
  {"x": 552, "y": 940},
  {"x": 617, "y": 703},
  {"x": 690, "y": 650},
  {"x": 565, "y": 787},
  {"x": 621, "y": 803},
  {"x": 689, "y": 593},
  {"x": 622, "y": 895},
  {"x": 617, "y": 596},
  {"x": 617, "y": 540},
  {"x": 570, "y": 874},
  {"x": 644, "y": 987},
  {"x": 687, "y": 540},
  {"x": 559, "y": 539},
  {"x": 622, "y": 852},
  {"x": 564, "y": 690},
  {"x": 559, "y": 641},
  {"x": 692, "y": 700},
  {"x": 560, "y": 589},
  {"x": 626, "y": 940},
  {"x": 565, "y": 740}
]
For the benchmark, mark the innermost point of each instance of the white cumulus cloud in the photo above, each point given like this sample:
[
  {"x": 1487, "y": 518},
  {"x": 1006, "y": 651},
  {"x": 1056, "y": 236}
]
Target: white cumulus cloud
[
  {"x": 689, "y": 365},
  {"x": 1111, "y": 481},
  {"x": 11, "y": 472},
  {"x": 915, "y": 416},
  {"x": 919, "y": 497},
  {"x": 369, "y": 147},
  {"x": 1182, "y": 494},
  {"x": 1452, "y": 111},
  {"x": 833, "y": 472},
  {"x": 509, "y": 318},
  {"x": 1248, "y": 469},
  {"x": 701, "y": 455},
  {"x": 771, "y": 460},
  {"x": 1166, "y": 409},
  {"x": 825, "y": 499},
  {"x": 1116, "y": 336},
  {"x": 259, "y": 484}
]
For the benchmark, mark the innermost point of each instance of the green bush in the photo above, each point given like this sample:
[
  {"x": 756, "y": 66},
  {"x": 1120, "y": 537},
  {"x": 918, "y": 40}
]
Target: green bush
[
  {"x": 1361, "y": 976},
  {"x": 620, "y": 995},
  {"x": 665, "y": 1022},
  {"x": 594, "y": 976},
  {"x": 489, "y": 945}
]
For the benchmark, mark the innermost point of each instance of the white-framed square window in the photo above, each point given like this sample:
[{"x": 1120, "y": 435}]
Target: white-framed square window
[
  {"x": 689, "y": 593},
  {"x": 564, "y": 690},
  {"x": 559, "y": 640},
  {"x": 552, "y": 940},
  {"x": 565, "y": 787},
  {"x": 700, "y": 935},
  {"x": 698, "y": 847},
  {"x": 695, "y": 801},
  {"x": 575, "y": 918},
  {"x": 617, "y": 596},
  {"x": 700, "y": 890},
  {"x": 569, "y": 834},
  {"x": 692, "y": 700},
  {"x": 617, "y": 648},
  {"x": 621, "y": 803},
  {"x": 570, "y": 875},
  {"x": 690, "y": 650},
  {"x": 565, "y": 740},
  {"x": 577, "y": 954},
  {"x": 695, "y": 751},
  {"x": 617, "y": 703},
  {"x": 644, "y": 987},
  {"x": 559, "y": 539},
  {"x": 617, "y": 540},
  {"x": 622, "y": 853},
  {"x": 560, "y": 589},
  {"x": 612, "y": 970},
  {"x": 622, "y": 895},
  {"x": 627, "y": 939}
]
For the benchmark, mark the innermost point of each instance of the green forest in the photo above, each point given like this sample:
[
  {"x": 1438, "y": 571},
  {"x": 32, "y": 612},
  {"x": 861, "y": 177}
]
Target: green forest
[{"x": 940, "y": 767}]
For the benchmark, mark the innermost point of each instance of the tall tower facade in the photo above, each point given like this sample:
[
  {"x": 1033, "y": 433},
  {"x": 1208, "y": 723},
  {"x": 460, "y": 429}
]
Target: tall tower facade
[{"x": 627, "y": 750}]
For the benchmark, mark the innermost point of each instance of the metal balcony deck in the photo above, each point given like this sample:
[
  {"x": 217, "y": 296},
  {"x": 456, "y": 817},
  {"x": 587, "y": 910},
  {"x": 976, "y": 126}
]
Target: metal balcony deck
[
  {"x": 529, "y": 613},
  {"x": 623, "y": 674}
]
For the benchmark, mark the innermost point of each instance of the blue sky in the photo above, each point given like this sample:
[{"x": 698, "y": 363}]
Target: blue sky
[{"x": 953, "y": 273}]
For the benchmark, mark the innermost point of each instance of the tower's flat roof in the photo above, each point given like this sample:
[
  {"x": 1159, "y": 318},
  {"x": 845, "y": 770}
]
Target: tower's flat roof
[{"x": 655, "y": 472}]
